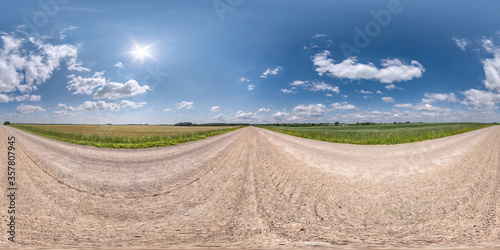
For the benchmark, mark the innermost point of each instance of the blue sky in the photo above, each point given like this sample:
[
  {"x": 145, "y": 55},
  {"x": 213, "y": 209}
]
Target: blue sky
[{"x": 162, "y": 62}]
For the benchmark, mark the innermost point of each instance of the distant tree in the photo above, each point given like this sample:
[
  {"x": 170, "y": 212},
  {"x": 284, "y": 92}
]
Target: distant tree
[
  {"x": 394, "y": 122},
  {"x": 6, "y": 123},
  {"x": 407, "y": 122},
  {"x": 337, "y": 123}
]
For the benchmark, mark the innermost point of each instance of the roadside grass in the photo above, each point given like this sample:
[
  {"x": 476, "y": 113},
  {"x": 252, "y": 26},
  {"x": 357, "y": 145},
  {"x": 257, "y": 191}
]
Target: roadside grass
[
  {"x": 379, "y": 134},
  {"x": 124, "y": 136}
]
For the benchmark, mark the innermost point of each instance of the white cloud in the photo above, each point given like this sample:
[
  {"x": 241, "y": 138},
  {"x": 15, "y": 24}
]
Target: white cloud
[
  {"x": 488, "y": 46},
  {"x": 492, "y": 72},
  {"x": 393, "y": 70},
  {"x": 30, "y": 98},
  {"x": 329, "y": 95},
  {"x": 312, "y": 110},
  {"x": 321, "y": 86},
  {"x": 280, "y": 115},
  {"x": 220, "y": 117},
  {"x": 270, "y": 71},
  {"x": 86, "y": 85},
  {"x": 4, "y": 98},
  {"x": 319, "y": 35},
  {"x": 131, "y": 104},
  {"x": 114, "y": 90},
  {"x": 343, "y": 106},
  {"x": 388, "y": 99},
  {"x": 264, "y": 110},
  {"x": 390, "y": 86},
  {"x": 251, "y": 87},
  {"x": 344, "y": 96},
  {"x": 311, "y": 86},
  {"x": 297, "y": 83},
  {"x": 98, "y": 106},
  {"x": 243, "y": 79},
  {"x": 287, "y": 91},
  {"x": 215, "y": 109},
  {"x": 379, "y": 92},
  {"x": 404, "y": 105},
  {"x": 461, "y": 43},
  {"x": 185, "y": 105},
  {"x": 365, "y": 92},
  {"x": 481, "y": 100},
  {"x": 23, "y": 68},
  {"x": 26, "y": 109},
  {"x": 74, "y": 65},
  {"x": 246, "y": 116},
  {"x": 450, "y": 97},
  {"x": 62, "y": 33},
  {"x": 167, "y": 110},
  {"x": 119, "y": 65},
  {"x": 429, "y": 107}
]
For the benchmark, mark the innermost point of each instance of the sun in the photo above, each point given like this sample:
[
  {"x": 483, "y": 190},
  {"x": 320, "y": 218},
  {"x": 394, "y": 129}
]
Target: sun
[{"x": 141, "y": 52}]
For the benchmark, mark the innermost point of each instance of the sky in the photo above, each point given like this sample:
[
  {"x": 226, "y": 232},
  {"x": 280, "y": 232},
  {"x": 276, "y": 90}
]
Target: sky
[{"x": 249, "y": 61}]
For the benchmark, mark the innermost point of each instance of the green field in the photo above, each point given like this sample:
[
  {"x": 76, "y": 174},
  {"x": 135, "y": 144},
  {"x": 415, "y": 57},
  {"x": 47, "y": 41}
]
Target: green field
[
  {"x": 379, "y": 134},
  {"x": 124, "y": 136}
]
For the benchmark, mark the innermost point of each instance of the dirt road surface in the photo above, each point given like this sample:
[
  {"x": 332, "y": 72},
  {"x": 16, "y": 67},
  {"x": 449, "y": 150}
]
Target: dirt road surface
[{"x": 257, "y": 189}]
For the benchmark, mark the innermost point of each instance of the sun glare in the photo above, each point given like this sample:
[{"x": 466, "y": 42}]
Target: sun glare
[{"x": 141, "y": 52}]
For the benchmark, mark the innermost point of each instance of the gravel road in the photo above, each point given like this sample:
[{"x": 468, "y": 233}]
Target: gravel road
[{"x": 256, "y": 188}]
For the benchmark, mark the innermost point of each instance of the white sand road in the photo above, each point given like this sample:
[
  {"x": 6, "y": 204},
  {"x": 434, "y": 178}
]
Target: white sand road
[{"x": 256, "y": 188}]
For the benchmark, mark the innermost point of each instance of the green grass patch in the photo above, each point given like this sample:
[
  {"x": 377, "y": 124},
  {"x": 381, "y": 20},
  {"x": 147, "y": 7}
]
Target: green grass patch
[
  {"x": 380, "y": 134},
  {"x": 124, "y": 136}
]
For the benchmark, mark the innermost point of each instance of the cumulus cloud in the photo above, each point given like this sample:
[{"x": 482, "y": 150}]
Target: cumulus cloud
[
  {"x": 119, "y": 65},
  {"x": 270, "y": 71},
  {"x": 131, "y": 104},
  {"x": 287, "y": 91},
  {"x": 280, "y": 115},
  {"x": 379, "y": 92},
  {"x": 98, "y": 106},
  {"x": 390, "y": 86},
  {"x": 481, "y": 100},
  {"x": 86, "y": 86},
  {"x": 251, "y": 87},
  {"x": 461, "y": 43},
  {"x": 244, "y": 79},
  {"x": 449, "y": 97},
  {"x": 74, "y": 65},
  {"x": 167, "y": 110},
  {"x": 30, "y": 98},
  {"x": 393, "y": 70},
  {"x": 487, "y": 100},
  {"x": 492, "y": 72},
  {"x": 23, "y": 68},
  {"x": 388, "y": 99},
  {"x": 404, "y": 105},
  {"x": 185, "y": 105},
  {"x": 114, "y": 90},
  {"x": 246, "y": 116},
  {"x": 312, "y": 110},
  {"x": 264, "y": 110},
  {"x": 220, "y": 117},
  {"x": 26, "y": 109},
  {"x": 4, "y": 98},
  {"x": 343, "y": 106},
  {"x": 215, "y": 109}
]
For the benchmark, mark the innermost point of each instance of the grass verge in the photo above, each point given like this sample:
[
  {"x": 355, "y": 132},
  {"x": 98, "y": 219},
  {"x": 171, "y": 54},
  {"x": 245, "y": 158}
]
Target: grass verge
[
  {"x": 380, "y": 134},
  {"x": 118, "y": 136}
]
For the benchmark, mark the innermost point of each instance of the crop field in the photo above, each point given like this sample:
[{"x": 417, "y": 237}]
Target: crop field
[
  {"x": 124, "y": 136},
  {"x": 379, "y": 134}
]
